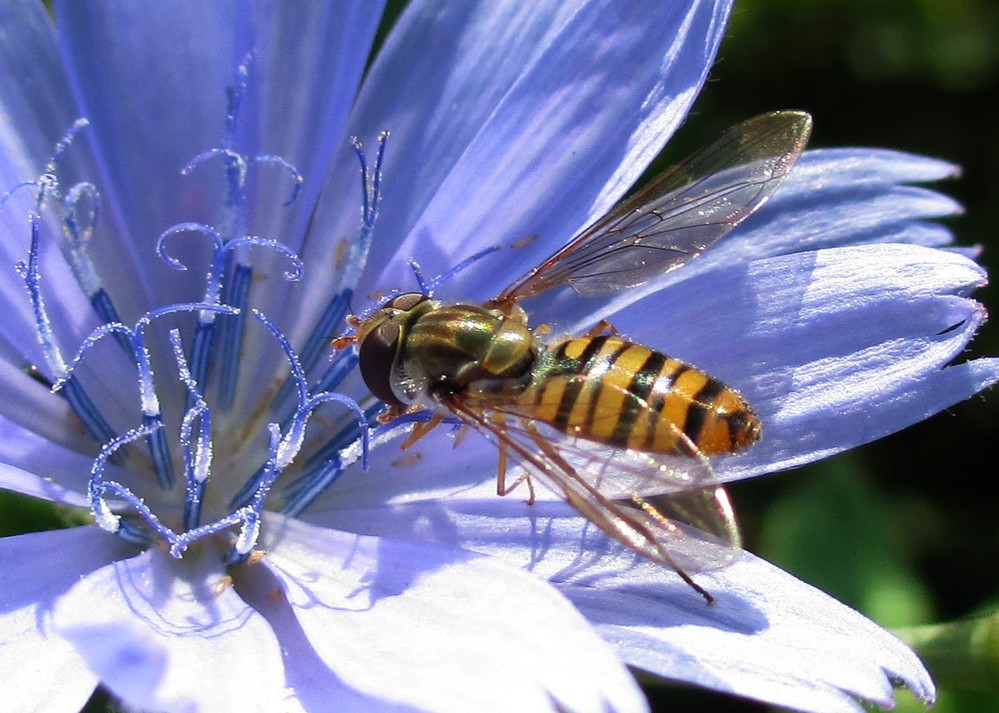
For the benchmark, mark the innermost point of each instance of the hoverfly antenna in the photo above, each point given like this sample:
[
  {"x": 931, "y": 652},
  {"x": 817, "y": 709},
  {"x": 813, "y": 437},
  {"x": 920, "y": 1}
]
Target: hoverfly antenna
[
  {"x": 427, "y": 287},
  {"x": 418, "y": 274}
]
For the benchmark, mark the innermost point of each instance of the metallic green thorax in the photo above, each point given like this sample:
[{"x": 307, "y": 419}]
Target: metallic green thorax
[{"x": 441, "y": 349}]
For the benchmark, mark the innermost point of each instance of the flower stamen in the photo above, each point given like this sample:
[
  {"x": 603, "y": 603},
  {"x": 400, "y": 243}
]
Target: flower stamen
[
  {"x": 226, "y": 291},
  {"x": 288, "y": 447},
  {"x": 82, "y": 405},
  {"x": 237, "y": 275},
  {"x": 334, "y": 314}
]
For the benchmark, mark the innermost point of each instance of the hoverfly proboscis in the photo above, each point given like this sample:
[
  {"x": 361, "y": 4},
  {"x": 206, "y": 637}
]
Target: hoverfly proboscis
[{"x": 604, "y": 422}]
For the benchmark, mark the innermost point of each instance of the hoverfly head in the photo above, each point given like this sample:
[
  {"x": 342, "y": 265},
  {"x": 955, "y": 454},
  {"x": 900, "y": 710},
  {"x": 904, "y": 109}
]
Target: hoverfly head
[{"x": 381, "y": 341}]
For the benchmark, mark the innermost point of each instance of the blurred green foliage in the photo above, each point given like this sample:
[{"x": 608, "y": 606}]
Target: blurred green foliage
[{"x": 19, "y": 513}]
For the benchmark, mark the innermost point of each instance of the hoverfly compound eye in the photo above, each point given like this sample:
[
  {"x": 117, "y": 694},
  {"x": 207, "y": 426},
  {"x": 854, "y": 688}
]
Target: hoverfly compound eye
[
  {"x": 406, "y": 301},
  {"x": 377, "y": 353}
]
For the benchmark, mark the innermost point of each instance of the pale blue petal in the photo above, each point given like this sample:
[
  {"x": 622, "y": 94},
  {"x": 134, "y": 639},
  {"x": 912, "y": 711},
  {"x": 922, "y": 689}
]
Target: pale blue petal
[
  {"x": 510, "y": 120},
  {"x": 845, "y": 197},
  {"x": 33, "y": 464},
  {"x": 837, "y": 197},
  {"x": 820, "y": 168},
  {"x": 439, "y": 629},
  {"x": 768, "y": 636},
  {"x": 36, "y": 109},
  {"x": 30, "y": 405},
  {"x": 173, "y": 635},
  {"x": 307, "y": 66},
  {"x": 35, "y": 103},
  {"x": 27, "y": 483},
  {"x": 35, "y": 570},
  {"x": 832, "y": 348},
  {"x": 311, "y": 685},
  {"x": 156, "y": 97},
  {"x": 151, "y": 78},
  {"x": 397, "y": 476}
]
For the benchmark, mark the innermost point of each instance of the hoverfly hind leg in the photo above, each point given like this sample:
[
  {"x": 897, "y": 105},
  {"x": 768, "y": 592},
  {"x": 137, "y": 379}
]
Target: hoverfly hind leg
[
  {"x": 695, "y": 586},
  {"x": 661, "y": 552},
  {"x": 501, "y": 467},
  {"x": 459, "y": 436}
]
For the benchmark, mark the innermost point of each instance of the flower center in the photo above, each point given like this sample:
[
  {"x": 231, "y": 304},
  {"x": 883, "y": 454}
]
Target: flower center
[{"x": 224, "y": 473}]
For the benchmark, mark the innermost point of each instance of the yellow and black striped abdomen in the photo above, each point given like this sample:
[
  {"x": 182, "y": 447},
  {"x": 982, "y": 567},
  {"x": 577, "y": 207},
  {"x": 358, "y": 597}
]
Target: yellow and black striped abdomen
[{"x": 616, "y": 392}]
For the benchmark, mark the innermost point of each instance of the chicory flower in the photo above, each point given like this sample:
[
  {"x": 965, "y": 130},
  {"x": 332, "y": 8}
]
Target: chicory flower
[{"x": 195, "y": 239}]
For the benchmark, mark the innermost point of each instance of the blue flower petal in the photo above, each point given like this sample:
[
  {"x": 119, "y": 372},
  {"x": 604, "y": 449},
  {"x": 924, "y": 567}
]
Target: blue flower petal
[
  {"x": 310, "y": 682},
  {"x": 396, "y": 475},
  {"x": 419, "y": 624},
  {"x": 30, "y": 405},
  {"x": 590, "y": 94},
  {"x": 833, "y": 348},
  {"x": 33, "y": 462},
  {"x": 769, "y": 636},
  {"x": 36, "y": 108},
  {"x": 151, "y": 627},
  {"x": 757, "y": 640},
  {"x": 35, "y": 570},
  {"x": 35, "y": 94},
  {"x": 307, "y": 65},
  {"x": 844, "y": 197},
  {"x": 156, "y": 97},
  {"x": 25, "y": 482}
]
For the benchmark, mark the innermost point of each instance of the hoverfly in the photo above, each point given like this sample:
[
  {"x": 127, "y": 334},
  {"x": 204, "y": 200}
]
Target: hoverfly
[{"x": 602, "y": 421}]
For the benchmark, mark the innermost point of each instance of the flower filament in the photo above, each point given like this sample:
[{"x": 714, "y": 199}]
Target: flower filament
[{"x": 214, "y": 500}]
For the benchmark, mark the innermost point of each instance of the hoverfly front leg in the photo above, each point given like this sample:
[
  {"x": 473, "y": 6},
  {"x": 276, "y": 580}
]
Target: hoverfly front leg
[
  {"x": 391, "y": 413},
  {"x": 421, "y": 429},
  {"x": 340, "y": 343},
  {"x": 344, "y": 341},
  {"x": 542, "y": 330}
]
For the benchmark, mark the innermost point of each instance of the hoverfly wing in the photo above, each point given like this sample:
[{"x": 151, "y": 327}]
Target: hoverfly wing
[
  {"x": 609, "y": 486},
  {"x": 680, "y": 214}
]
